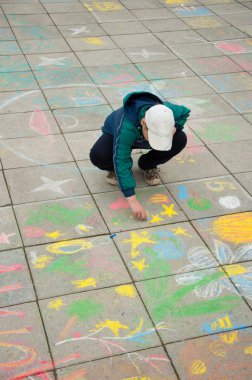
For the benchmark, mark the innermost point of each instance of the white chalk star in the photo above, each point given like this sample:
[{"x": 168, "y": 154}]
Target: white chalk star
[
  {"x": 76, "y": 31},
  {"x": 51, "y": 185},
  {"x": 145, "y": 54},
  {"x": 52, "y": 61}
]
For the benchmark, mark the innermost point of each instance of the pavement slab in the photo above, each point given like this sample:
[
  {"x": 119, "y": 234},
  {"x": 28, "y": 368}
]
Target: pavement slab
[
  {"x": 233, "y": 128},
  {"x": 43, "y": 183},
  {"x": 77, "y": 265},
  {"x": 228, "y": 237},
  {"x": 210, "y": 197},
  {"x": 34, "y": 151},
  {"x": 213, "y": 356},
  {"x": 88, "y": 291},
  {"x": 23, "y": 355},
  {"x": 50, "y": 221},
  {"x": 191, "y": 164},
  {"x": 245, "y": 180},
  {"x": 4, "y": 196},
  {"x": 149, "y": 364},
  {"x": 9, "y": 236},
  {"x": 85, "y": 325},
  {"x": 82, "y": 119},
  {"x": 15, "y": 282},
  {"x": 163, "y": 250},
  {"x": 160, "y": 207},
  {"x": 236, "y": 157},
  {"x": 196, "y": 300},
  {"x": 10, "y": 63}
]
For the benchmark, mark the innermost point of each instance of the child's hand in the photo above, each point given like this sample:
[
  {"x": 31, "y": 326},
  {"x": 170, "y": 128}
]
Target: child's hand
[{"x": 137, "y": 208}]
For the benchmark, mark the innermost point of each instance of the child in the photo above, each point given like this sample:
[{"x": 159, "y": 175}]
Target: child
[{"x": 144, "y": 122}]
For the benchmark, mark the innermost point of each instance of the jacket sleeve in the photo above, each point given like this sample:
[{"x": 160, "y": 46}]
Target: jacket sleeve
[
  {"x": 123, "y": 141},
  {"x": 181, "y": 114}
]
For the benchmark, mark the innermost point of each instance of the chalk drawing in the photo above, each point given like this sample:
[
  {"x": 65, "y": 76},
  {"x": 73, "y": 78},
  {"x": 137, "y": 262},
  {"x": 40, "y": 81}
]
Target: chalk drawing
[
  {"x": 39, "y": 123},
  {"x": 146, "y": 54},
  {"x": 103, "y": 6},
  {"x": 80, "y": 30},
  {"x": 230, "y": 202},
  {"x": 46, "y": 61},
  {"x": 51, "y": 185},
  {"x": 4, "y": 238}
]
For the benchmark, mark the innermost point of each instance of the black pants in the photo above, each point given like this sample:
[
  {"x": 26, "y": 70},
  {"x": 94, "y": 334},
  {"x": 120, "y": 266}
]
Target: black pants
[{"x": 101, "y": 155}]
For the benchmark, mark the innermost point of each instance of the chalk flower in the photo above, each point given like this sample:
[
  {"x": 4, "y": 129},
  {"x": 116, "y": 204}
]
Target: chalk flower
[{"x": 240, "y": 274}]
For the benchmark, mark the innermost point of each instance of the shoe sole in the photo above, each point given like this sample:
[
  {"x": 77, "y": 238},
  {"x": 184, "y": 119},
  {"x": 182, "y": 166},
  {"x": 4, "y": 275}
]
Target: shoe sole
[{"x": 112, "y": 182}]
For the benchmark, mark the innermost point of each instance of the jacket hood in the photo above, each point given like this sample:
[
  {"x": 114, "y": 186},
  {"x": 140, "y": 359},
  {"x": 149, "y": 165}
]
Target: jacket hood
[{"x": 134, "y": 101}]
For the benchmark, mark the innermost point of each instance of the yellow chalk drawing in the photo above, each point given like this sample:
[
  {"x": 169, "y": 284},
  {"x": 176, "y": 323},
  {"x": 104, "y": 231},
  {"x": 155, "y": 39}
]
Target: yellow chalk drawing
[
  {"x": 82, "y": 228},
  {"x": 137, "y": 329},
  {"x": 103, "y": 6},
  {"x": 169, "y": 210},
  {"x": 222, "y": 323},
  {"x": 204, "y": 22},
  {"x": 137, "y": 378},
  {"x": 42, "y": 262},
  {"x": 218, "y": 348},
  {"x": 219, "y": 186},
  {"x": 235, "y": 228},
  {"x": 114, "y": 326},
  {"x": 126, "y": 291},
  {"x": 177, "y": 2},
  {"x": 180, "y": 231},
  {"x": 93, "y": 40},
  {"x": 235, "y": 270},
  {"x": 137, "y": 239},
  {"x": 54, "y": 234},
  {"x": 69, "y": 247},
  {"x": 198, "y": 367},
  {"x": 159, "y": 198},
  {"x": 248, "y": 350},
  {"x": 156, "y": 219},
  {"x": 56, "y": 304},
  {"x": 85, "y": 283},
  {"x": 140, "y": 265},
  {"x": 230, "y": 337}
]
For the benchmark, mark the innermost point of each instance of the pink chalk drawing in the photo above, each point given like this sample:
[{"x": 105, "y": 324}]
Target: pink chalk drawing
[
  {"x": 232, "y": 48},
  {"x": 11, "y": 268},
  {"x": 39, "y": 123},
  {"x": 4, "y": 239},
  {"x": 9, "y": 288},
  {"x": 120, "y": 203},
  {"x": 7, "y": 313},
  {"x": 34, "y": 232}
]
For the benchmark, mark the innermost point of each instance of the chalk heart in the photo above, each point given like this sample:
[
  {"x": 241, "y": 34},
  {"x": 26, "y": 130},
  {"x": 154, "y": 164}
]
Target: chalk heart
[
  {"x": 230, "y": 202},
  {"x": 120, "y": 203}
]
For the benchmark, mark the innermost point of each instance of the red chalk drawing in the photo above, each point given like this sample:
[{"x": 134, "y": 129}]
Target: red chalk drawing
[
  {"x": 4, "y": 239},
  {"x": 39, "y": 123},
  {"x": 6, "y": 313},
  {"x": 33, "y": 232},
  {"x": 11, "y": 268},
  {"x": 226, "y": 47},
  {"x": 9, "y": 288},
  {"x": 120, "y": 203}
]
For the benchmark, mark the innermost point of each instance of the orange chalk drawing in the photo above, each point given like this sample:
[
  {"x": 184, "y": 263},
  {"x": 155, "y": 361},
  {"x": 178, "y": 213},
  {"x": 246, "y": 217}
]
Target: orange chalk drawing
[
  {"x": 235, "y": 228},
  {"x": 30, "y": 355},
  {"x": 159, "y": 198},
  {"x": 198, "y": 367},
  {"x": 126, "y": 291}
]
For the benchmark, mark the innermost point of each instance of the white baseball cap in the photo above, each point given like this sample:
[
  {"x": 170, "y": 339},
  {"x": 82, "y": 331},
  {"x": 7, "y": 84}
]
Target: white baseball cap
[{"x": 160, "y": 123}]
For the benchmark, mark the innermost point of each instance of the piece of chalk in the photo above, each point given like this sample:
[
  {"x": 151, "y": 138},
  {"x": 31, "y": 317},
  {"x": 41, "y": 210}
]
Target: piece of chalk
[{"x": 112, "y": 236}]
